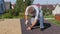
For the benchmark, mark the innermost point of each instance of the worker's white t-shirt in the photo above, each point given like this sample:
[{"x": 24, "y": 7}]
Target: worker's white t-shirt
[{"x": 36, "y": 8}]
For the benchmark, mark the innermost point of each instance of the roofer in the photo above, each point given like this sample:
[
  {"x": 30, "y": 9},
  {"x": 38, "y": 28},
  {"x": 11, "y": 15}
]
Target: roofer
[{"x": 36, "y": 15}]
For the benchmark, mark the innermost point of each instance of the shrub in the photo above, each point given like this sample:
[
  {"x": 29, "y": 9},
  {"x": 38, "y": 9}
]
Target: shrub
[{"x": 7, "y": 15}]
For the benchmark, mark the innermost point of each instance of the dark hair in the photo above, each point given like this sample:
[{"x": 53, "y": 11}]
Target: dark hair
[{"x": 31, "y": 9}]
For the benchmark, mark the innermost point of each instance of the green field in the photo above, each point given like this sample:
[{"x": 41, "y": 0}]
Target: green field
[
  {"x": 49, "y": 16},
  {"x": 55, "y": 22}
]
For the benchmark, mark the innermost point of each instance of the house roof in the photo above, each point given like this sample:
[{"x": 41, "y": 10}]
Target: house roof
[{"x": 47, "y": 6}]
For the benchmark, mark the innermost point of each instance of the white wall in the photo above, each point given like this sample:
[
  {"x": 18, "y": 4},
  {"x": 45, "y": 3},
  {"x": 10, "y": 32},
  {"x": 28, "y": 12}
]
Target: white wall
[{"x": 56, "y": 10}]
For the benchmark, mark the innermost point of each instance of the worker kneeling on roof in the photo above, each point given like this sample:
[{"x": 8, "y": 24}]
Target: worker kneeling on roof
[{"x": 36, "y": 15}]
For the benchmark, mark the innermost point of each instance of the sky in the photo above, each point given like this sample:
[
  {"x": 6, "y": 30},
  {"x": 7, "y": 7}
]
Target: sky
[
  {"x": 40, "y": 1},
  {"x": 12, "y": 1},
  {"x": 46, "y": 1}
]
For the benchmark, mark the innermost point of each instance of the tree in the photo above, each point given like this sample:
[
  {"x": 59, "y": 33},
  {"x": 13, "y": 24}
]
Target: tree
[
  {"x": 29, "y": 2},
  {"x": 19, "y": 7},
  {"x": 47, "y": 11}
]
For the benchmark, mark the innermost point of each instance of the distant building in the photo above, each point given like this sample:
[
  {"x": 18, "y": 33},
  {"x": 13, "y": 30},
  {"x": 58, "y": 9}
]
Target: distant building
[
  {"x": 56, "y": 10},
  {"x": 8, "y": 5},
  {"x": 2, "y": 6},
  {"x": 51, "y": 7}
]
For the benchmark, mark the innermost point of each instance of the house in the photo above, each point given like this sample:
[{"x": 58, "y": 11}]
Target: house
[
  {"x": 8, "y": 5},
  {"x": 56, "y": 10},
  {"x": 51, "y": 7},
  {"x": 2, "y": 6}
]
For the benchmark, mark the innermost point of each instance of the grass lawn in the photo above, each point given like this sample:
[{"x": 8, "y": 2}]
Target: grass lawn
[
  {"x": 49, "y": 16},
  {"x": 54, "y": 21},
  {"x": 21, "y": 15}
]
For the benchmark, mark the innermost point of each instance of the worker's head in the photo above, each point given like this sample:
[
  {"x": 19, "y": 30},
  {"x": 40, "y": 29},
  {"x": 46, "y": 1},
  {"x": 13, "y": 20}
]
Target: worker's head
[{"x": 31, "y": 10}]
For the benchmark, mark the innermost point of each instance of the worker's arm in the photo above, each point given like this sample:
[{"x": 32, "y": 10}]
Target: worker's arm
[
  {"x": 26, "y": 12},
  {"x": 26, "y": 15},
  {"x": 26, "y": 19}
]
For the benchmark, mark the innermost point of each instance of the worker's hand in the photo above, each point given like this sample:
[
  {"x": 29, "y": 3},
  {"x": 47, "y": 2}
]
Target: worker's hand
[
  {"x": 26, "y": 22},
  {"x": 29, "y": 28}
]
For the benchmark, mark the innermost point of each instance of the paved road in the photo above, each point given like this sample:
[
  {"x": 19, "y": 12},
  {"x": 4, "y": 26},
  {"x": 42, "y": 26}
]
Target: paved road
[{"x": 49, "y": 28}]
